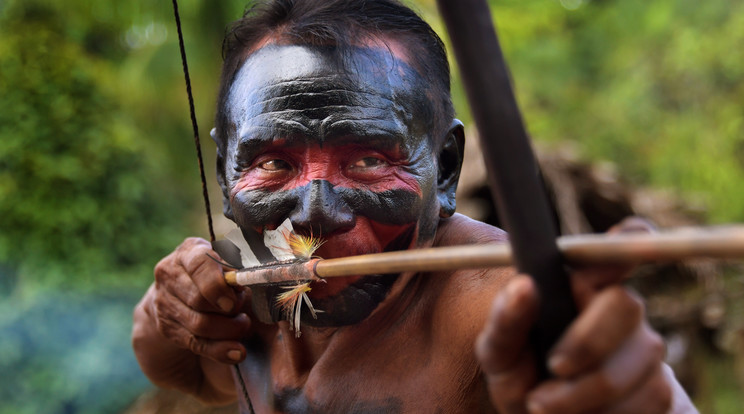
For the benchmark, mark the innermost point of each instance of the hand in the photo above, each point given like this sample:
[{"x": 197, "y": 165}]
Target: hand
[
  {"x": 609, "y": 360},
  {"x": 194, "y": 308}
]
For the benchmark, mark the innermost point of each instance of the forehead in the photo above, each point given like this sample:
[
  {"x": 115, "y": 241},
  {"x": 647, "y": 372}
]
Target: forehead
[{"x": 318, "y": 93}]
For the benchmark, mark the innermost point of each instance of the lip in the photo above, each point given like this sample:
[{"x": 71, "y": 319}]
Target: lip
[
  {"x": 331, "y": 286},
  {"x": 342, "y": 245},
  {"x": 355, "y": 243}
]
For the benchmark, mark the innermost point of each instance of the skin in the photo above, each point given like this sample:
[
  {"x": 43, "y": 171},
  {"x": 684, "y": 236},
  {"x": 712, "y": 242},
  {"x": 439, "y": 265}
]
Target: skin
[
  {"x": 352, "y": 159},
  {"x": 338, "y": 153}
]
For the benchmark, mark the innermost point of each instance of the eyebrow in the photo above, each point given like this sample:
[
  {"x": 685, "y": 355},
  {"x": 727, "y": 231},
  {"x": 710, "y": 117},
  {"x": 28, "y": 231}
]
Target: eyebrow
[{"x": 342, "y": 132}]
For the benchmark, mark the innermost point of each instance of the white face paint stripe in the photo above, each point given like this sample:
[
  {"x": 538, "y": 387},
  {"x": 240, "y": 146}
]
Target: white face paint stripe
[
  {"x": 246, "y": 254},
  {"x": 276, "y": 241}
]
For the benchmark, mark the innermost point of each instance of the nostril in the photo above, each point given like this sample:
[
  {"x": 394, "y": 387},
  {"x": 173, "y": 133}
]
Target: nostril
[{"x": 321, "y": 211}]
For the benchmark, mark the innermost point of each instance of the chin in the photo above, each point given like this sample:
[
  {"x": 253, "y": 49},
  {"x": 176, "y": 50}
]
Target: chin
[{"x": 353, "y": 303}]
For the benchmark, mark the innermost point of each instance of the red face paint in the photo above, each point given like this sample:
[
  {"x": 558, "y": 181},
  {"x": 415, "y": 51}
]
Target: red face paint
[
  {"x": 282, "y": 167},
  {"x": 345, "y": 154}
]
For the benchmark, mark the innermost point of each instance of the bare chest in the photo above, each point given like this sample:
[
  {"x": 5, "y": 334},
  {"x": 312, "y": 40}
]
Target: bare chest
[{"x": 365, "y": 376}]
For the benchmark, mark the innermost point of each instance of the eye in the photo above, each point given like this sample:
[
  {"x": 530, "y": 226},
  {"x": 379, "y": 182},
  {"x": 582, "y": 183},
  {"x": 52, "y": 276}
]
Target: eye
[
  {"x": 275, "y": 165},
  {"x": 367, "y": 162}
]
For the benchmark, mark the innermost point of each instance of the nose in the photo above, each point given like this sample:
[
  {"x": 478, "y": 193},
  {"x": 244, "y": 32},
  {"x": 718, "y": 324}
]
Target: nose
[{"x": 321, "y": 210}]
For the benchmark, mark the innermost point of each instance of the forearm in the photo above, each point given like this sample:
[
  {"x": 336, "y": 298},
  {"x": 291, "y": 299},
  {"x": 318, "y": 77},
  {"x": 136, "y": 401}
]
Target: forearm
[{"x": 170, "y": 366}]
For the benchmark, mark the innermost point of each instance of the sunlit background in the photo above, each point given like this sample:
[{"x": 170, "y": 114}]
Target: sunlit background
[{"x": 99, "y": 180}]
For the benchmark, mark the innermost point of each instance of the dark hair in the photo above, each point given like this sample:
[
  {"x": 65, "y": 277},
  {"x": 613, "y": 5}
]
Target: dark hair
[{"x": 341, "y": 23}]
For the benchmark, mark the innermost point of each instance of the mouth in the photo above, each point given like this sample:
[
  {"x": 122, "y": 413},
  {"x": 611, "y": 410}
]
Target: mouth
[
  {"x": 346, "y": 300},
  {"x": 348, "y": 244},
  {"x": 333, "y": 248},
  {"x": 330, "y": 287}
]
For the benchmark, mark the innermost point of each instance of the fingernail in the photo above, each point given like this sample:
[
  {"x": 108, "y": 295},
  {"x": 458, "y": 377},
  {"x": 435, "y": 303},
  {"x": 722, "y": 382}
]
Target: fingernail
[
  {"x": 225, "y": 303},
  {"x": 535, "y": 407},
  {"x": 235, "y": 355}
]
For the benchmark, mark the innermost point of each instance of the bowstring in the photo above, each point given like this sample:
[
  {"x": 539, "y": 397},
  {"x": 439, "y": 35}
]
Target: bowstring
[
  {"x": 205, "y": 193},
  {"x": 197, "y": 141}
]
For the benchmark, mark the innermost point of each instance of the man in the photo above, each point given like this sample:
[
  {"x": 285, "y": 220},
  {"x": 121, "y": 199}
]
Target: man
[{"x": 336, "y": 115}]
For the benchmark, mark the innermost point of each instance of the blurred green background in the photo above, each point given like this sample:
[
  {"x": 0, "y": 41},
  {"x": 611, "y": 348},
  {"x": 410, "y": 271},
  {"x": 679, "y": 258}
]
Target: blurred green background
[{"x": 98, "y": 176}]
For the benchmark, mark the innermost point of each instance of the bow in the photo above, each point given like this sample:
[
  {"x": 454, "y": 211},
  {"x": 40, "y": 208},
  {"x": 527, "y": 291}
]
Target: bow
[{"x": 513, "y": 173}]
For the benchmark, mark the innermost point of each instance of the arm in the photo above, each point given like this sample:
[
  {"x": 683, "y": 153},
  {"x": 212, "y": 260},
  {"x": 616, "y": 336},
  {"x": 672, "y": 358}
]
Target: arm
[{"x": 188, "y": 325}]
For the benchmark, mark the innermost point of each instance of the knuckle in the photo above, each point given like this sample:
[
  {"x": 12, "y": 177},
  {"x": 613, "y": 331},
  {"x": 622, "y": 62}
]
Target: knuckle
[
  {"x": 636, "y": 224},
  {"x": 604, "y": 386},
  {"x": 195, "y": 241},
  {"x": 190, "y": 262},
  {"x": 162, "y": 269},
  {"x": 159, "y": 304},
  {"x": 199, "y": 323},
  {"x": 194, "y": 300},
  {"x": 657, "y": 345},
  {"x": 625, "y": 302},
  {"x": 167, "y": 328},
  {"x": 196, "y": 345},
  {"x": 586, "y": 353},
  {"x": 509, "y": 387},
  {"x": 193, "y": 255},
  {"x": 191, "y": 243},
  {"x": 199, "y": 266}
]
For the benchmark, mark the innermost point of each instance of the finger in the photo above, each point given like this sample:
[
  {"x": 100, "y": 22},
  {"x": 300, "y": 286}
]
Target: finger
[
  {"x": 173, "y": 280},
  {"x": 587, "y": 280},
  {"x": 599, "y": 330},
  {"x": 215, "y": 336},
  {"x": 509, "y": 388},
  {"x": 617, "y": 380},
  {"x": 633, "y": 224},
  {"x": 205, "y": 325},
  {"x": 506, "y": 332},
  {"x": 506, "y": 360},
  {"x": 208, "y": 275},
  {"x": 189, "y": 274},
  {"x": 224, "y": 351},
  {"x": 653, "y": 397}
]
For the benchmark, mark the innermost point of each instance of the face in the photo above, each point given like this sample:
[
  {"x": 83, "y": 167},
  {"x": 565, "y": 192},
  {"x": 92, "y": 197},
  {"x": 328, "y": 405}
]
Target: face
[{"x": 347, "y": 155}]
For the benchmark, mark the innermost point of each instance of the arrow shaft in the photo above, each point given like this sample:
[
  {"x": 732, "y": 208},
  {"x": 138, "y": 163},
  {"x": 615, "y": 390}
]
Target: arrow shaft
[{"x": 632, "y": 248}]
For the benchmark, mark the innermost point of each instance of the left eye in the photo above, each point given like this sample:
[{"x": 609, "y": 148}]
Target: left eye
[
  {"x": 275, "y": 165},
  {"x": 367, "y": 162}
]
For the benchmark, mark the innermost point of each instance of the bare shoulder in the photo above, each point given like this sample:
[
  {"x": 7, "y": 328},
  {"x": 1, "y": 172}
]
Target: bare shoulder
[
  {"x": 467, "y": 294},
  {"x": 460, "y": 230}
]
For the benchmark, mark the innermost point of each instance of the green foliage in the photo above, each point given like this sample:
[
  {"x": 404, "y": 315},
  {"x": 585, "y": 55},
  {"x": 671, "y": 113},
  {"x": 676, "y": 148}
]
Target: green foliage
[
  {"x": 98, "y": 181},
  {"x": 67, "y": 353},
  {"x": 98, "y": 176},
  {"x": 76, "y": 183},
  {"x": 653, "y": 86}
]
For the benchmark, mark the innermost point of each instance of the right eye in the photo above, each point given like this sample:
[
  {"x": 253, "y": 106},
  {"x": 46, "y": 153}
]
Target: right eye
[{"x": 275, "y": 165}]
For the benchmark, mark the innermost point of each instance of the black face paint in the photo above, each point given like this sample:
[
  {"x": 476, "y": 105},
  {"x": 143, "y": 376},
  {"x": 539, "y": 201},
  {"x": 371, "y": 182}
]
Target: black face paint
[
  {"x": 345, "y": 151},
  {"x": 310, "y": 204}
]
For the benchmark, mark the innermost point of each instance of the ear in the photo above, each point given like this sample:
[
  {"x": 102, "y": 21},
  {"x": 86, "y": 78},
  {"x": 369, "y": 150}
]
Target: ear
[
  {"x": 450, "y": 161},
  {"x": 221, "y": 179}
]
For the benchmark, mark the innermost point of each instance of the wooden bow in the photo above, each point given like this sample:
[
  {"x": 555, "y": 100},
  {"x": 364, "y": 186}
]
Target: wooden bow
[{"x": 513, "y": 174}]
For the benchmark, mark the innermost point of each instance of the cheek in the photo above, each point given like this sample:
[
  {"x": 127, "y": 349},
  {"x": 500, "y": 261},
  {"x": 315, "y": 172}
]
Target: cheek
[
  {"x": 384, "y": 180},
  {"x": 257, "y": 208},
  {"x": 368, "y": 237},
  {"x": 392, "y": 207}
]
